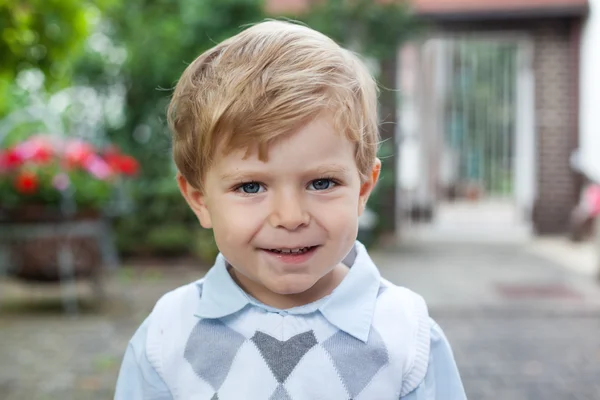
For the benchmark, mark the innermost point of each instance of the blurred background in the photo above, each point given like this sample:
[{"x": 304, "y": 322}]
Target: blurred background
[{"x": 487, "y": 204}]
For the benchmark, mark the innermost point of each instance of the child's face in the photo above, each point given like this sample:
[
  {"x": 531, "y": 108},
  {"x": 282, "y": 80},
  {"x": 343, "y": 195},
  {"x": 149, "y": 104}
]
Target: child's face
[{"x": 306, "y": 199}]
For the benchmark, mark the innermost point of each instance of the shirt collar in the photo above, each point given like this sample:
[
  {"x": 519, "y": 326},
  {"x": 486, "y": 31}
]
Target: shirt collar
[
  {"x": 350, "y": 306},
  {"x": 220, "y": 295}
]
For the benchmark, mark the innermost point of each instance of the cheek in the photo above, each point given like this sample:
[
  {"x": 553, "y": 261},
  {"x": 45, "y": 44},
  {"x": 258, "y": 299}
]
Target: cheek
[
  {"x": 234, "y": 222},
  {"x": 344, "y": 201},
  {"x": 337, "y": 213}
]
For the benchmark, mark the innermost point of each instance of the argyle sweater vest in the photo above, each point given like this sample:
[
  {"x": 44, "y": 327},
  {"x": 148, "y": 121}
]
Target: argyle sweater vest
[{"x": 255, "y": 354}]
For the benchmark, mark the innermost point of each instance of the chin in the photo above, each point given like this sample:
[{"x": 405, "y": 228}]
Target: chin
[{"x": 291, "y": 288}]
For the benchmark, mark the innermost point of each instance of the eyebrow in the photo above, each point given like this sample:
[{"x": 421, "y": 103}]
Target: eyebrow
[
  {"x": 238, "y": 175},
  {"x": 329, "y": 169},
  {"x": 249, "y": 175}
]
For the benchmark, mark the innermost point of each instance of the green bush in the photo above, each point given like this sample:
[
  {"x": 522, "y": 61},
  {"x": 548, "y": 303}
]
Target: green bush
[
  {"x": 159, "y": 222},
  {"x": 171, "y": 238}
]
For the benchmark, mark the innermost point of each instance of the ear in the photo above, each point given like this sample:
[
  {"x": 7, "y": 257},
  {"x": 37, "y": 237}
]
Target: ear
[
  {"x": 367, "y": 187},
  {"x": 196, "y": 200}
]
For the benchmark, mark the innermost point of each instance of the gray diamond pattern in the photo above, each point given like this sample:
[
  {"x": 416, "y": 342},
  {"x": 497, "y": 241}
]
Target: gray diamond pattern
[
  {"x": 280, "y": 394},
  {"x": 282, "y": 357},
  {"x": 357, "y": 362},
  {"x": 210, "y": 350}
]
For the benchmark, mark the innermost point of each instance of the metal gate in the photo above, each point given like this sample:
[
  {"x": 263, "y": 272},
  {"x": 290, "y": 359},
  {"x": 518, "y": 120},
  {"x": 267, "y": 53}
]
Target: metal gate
[
  {"x": 465, "y": 130},
  {"x": 477, "y": 150}
]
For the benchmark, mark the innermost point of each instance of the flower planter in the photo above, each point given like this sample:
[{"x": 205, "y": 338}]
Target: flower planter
[
  {"x": 38, "y": 176},
  {"x": 39, "y": 244}
]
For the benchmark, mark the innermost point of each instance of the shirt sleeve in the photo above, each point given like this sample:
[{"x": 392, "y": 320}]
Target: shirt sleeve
[
  {"x": 138, "y": 380},
  {"x": 442, "y": 381}
]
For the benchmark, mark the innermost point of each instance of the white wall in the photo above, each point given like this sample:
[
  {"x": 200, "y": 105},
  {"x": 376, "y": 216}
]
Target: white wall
[{"x": 589, "y": 133}]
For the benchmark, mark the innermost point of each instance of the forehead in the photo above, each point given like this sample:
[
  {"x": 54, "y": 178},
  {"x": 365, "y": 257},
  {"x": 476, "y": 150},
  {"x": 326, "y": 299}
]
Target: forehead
[{"x": 318, "y": 141}]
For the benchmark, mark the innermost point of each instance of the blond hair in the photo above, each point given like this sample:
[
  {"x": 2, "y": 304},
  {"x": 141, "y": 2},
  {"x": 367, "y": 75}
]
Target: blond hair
[{"x": 265, "y": 82}]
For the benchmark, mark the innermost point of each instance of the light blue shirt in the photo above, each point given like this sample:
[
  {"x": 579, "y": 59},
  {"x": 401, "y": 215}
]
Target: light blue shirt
[{"x": 138, "y": 380}]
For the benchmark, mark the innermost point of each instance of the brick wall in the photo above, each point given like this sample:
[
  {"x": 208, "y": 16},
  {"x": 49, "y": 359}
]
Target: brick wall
[{"x": 556, "y": 116}]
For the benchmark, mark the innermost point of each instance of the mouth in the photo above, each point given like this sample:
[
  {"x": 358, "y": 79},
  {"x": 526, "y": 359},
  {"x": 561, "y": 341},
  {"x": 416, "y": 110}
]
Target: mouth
[
  {"x": 291, "y": 251},
  {"x": 292, "y": 256}
]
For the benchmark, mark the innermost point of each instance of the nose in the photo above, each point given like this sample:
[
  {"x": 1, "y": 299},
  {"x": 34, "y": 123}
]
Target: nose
[{"x": 288, "y": 212}]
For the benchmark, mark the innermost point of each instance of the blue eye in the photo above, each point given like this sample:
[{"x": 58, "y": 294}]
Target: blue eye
[
  {"x": 321, "y": 184},
  {"x": 250, "y": 187}
]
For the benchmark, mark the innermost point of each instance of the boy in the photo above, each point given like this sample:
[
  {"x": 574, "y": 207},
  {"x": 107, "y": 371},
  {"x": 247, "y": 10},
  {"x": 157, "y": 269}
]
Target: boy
[{"x": 275, "y": 140}]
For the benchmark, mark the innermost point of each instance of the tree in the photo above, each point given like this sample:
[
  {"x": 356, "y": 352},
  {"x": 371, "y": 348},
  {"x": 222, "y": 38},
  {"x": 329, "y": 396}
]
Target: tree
[
  {"x": 160, "y": 38},
  {"x": 45, "y": 35}
]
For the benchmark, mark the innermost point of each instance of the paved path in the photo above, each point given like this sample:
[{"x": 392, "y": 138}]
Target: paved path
[
  {"x": 521, "y": 327},
  {"x": 45, "y": 355}
]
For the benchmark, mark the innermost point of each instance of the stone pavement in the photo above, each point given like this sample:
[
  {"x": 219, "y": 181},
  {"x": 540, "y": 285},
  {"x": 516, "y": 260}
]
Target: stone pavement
[
  {"x": 46, "y": 355},
  {"x": 580, "y": 257},
  {"x": 521, "y": 327}
]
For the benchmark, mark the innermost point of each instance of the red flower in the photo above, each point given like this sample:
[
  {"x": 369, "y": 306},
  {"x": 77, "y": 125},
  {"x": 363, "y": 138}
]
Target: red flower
[
  {"x": 10, "y": 159},
  {"x": 26, "y": 182},
  {"x": 121, "y": 163},
  {"x": 128, "y": 165},
  {"x": 38, "y": 149},
  {"x": 77, "y": 152},
  {"x": 113, "y": 158},
  {"x": 42, "y": 155}
]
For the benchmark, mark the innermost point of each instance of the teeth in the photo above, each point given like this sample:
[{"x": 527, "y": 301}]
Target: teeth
[{"x": 291, "y": 251}]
